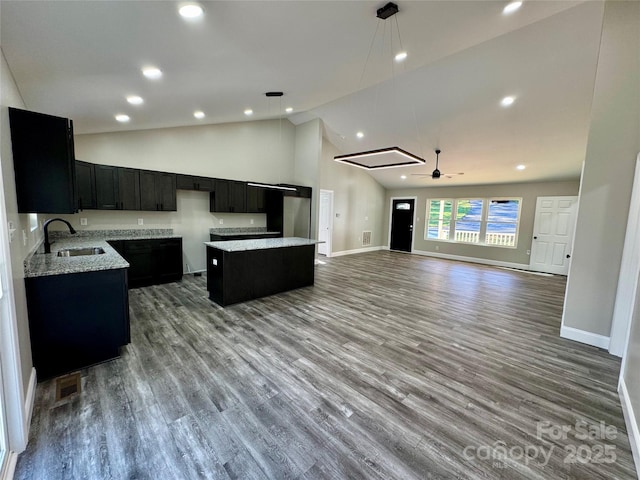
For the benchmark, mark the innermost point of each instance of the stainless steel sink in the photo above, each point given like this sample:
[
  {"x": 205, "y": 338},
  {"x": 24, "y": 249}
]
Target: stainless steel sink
[{"x": 76, "y": 252}]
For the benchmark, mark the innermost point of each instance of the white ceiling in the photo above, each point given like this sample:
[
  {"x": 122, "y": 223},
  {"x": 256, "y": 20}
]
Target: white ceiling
[{"x": 80, "y": 60}]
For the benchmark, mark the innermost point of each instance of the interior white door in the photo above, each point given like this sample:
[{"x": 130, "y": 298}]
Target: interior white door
[
  {"x": 324, "y": 222},
  {"x": 553, "y": 234}
]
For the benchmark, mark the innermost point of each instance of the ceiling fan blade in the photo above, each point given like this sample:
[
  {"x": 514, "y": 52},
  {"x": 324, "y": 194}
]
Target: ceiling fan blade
[
  {"x": 421, "y": 174},
  {"x": 451, "y": 174}
]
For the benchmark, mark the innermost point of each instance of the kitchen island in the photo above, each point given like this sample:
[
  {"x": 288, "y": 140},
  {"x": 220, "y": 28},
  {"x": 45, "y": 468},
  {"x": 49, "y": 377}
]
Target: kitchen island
[{"x": 241, "y": 270}]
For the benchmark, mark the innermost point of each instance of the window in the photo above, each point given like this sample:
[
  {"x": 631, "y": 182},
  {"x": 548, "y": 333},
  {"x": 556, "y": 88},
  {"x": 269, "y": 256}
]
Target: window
[
  {"x": 481, "y": 221},
  {"x": 439, "y": 219}
]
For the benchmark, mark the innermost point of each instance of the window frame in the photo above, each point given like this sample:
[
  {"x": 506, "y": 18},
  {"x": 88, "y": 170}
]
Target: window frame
[{"x": 484, "y": 221}]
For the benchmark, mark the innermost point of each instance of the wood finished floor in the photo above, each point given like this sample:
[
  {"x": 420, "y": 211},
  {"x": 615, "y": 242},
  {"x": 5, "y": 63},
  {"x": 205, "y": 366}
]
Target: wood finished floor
[{"x": 389, "y": 367}]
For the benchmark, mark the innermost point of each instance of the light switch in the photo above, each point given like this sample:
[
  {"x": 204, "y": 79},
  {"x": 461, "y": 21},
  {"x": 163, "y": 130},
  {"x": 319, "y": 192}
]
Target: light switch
[
  {"x": 141, "y": 221},
  {"x": 251, "y": 221},
  {"x": 221, "y": 221}
]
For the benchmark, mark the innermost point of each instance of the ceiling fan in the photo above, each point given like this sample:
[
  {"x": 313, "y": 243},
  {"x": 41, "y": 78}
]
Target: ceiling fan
[{"x": 436, "y": 173}]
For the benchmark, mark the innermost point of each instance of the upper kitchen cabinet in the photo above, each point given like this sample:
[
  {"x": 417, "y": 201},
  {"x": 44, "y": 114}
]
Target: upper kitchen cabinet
[
  {"x": 189, "y": 182},
  {"x": 86, "y": 185},
  {"x": 158, "y": 191},
  {"x": 117, "y": 188},
  {"x": 44, "y": 162},
  {"x": 256, "y": 199},
  {"x": 230, "y": 196}
]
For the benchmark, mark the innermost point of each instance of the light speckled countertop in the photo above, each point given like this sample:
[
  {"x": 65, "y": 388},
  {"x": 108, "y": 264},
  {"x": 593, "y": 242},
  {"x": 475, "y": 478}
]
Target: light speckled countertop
[
  {"x": 234, "y": 231},
  {"x": 41, "y": 264},
  {"x": 260, "y": 244}
]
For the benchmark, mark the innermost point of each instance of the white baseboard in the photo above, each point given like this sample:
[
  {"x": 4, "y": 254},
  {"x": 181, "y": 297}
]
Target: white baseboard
[
  {"x": 357, "y": 250},
  {"x": 583, "y": 336},
  {"x": 29, "y": 400},
  {"x": 482, "y": 261},
  {"x": 631, "y": 423},
  {"x": 10, "y": 467}
]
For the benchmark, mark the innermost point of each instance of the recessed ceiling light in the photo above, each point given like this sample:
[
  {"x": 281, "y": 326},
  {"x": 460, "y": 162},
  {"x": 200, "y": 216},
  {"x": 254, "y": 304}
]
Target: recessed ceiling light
[
  {"x": 248, "y": 112},
  {"x": 288, "y": 109},
  {"x": 152, "y": 73},
  {"x": 135, "y": 100},
  {"x": 400, "y": 56},
  {"x": 360, "y": 134},
  {"x": 198, "y": 114},
  {"x": 403, "y": 177},
  {"x": 507, "y": 101},
  {"x": 511, "y": 7},
  {"x": 190, "y": 10},
  {"x": 121, "y": 117},
  {"x": 521, "y": 167}
]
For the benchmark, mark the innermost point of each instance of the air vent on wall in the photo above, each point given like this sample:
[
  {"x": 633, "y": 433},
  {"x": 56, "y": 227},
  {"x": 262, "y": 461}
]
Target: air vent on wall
[{"x": 366, "y": 238}]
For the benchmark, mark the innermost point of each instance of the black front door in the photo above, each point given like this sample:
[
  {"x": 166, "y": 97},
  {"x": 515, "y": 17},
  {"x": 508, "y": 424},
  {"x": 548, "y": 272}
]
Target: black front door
[{"x": 402, "y": 225}]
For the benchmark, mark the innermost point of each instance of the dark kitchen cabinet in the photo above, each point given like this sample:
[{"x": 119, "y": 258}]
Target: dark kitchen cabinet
[
  {"x": 158, "y": 191},
  {"x": 151, "y": 261},
  {"x": 44, "y": 162},
  {"x": 189, "y": 182},
  {"x": 129, "y": 188},
  {"x": 107, "y": 193},
  {"x": 117, "y": 188},
  {"x": 256, "y": 200},
  {"x": 86, "y": 185},
  {"x": 77, "y": 320},
  {"x": 230, "y": 196}
]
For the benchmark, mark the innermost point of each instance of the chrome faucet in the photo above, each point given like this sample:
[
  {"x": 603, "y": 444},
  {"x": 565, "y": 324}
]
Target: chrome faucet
[{"x": 45, "y": 227}]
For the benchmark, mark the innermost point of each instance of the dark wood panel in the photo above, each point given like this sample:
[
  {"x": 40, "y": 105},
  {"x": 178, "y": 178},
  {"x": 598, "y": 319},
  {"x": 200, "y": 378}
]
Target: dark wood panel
[
  {"x": 388, "y": 367},
  {"x": 129, "y": 188},
  {"x": 107, "y": 191},
  {"x": 86, "y": 185}
]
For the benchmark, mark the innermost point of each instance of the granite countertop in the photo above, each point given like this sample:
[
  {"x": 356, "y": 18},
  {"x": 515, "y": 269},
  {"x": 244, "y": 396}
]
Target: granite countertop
[
  {"x": 235, "y": 231},
  {"x": 41, "y": 264},
  {"x": 261, "y": 244}
]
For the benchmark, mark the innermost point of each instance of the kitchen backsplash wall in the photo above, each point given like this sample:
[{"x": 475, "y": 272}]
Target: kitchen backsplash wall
[{"x": 192, "y": 221}]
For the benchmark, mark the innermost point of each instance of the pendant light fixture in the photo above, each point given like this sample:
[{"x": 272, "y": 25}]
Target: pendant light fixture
[{"x": 389, "y": 157}]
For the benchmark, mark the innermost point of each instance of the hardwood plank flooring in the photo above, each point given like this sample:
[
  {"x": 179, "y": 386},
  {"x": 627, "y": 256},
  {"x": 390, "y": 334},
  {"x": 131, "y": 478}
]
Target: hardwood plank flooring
[{"x": 392, "y": 366}]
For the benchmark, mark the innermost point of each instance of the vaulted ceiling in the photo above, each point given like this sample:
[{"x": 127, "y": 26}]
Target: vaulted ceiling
[{"x": 81, "y": 59}]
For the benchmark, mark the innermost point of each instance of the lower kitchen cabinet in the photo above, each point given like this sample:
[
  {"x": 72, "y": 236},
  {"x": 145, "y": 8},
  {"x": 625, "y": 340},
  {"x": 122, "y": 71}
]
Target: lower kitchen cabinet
[
  {"x": 151, "y": 261},
  {"x": 77, "y": 320}
]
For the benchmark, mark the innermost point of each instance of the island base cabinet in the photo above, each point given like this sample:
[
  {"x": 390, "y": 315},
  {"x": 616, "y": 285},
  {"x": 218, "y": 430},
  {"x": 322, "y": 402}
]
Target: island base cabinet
[
  {"x": 234, "y": 277},
  {"x": 77, "y": 320}
]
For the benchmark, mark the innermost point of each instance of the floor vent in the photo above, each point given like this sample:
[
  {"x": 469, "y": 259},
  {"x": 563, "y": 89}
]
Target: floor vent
[
  {"x": 67, "y": 386},
  {"x": 366, "y": 238}
]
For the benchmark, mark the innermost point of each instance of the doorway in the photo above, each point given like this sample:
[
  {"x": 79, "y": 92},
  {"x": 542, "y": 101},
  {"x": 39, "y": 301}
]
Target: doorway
[
  {"x": 553, "y": 228},
  {"x": 325, "y": 222},
  {"x": 402, "y": 221}
]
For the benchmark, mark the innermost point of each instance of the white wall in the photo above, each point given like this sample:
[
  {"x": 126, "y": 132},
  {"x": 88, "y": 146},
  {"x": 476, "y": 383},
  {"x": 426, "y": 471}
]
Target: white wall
[
  {"x": 358, "y": 202},
  {"x": 19, "y": 246},
  {"x": 261, "y": 151},
  {"x": 613, "y": 143},
  {"x": 308, "y": 149}
]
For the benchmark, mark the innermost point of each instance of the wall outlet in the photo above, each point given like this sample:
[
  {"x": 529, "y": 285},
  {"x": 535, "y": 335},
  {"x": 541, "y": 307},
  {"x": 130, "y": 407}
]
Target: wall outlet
[
  {"x": 251, "y": 221},
  {"x": 528, "y": 252},
  {"x": 83, "y": 222},
  {"x": 437, "y": 247},
  {"x": 141, "y": 221},
  {"x": 221, "y": 222},
  {"x": 366, "y": 219},
  {"x": 25, "y": 238}
]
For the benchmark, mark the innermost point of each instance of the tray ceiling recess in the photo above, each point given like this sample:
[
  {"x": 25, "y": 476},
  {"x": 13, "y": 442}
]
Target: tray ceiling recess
[{"x": 383, "y": 157}]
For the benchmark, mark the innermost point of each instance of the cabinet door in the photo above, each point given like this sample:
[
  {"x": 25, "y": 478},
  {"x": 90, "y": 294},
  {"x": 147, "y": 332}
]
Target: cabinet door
[
  {"x": 220, "y": 197},
  {"x": 169, "y": 258},
  {"x": 256, "y": 200},
  {"x": 189, "y": 182},
  {"x": 129, "y": 188},
  {"x": 107, "y": 195},
  {"x": 139, "y": 254},
  {"x": 148, "y": 198},
  {"x": 44, "y": 162},
  {"x": 238, "y": 197},
  {"x": 166, "y": 191},
  {"x": 86, "y": 185}
]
